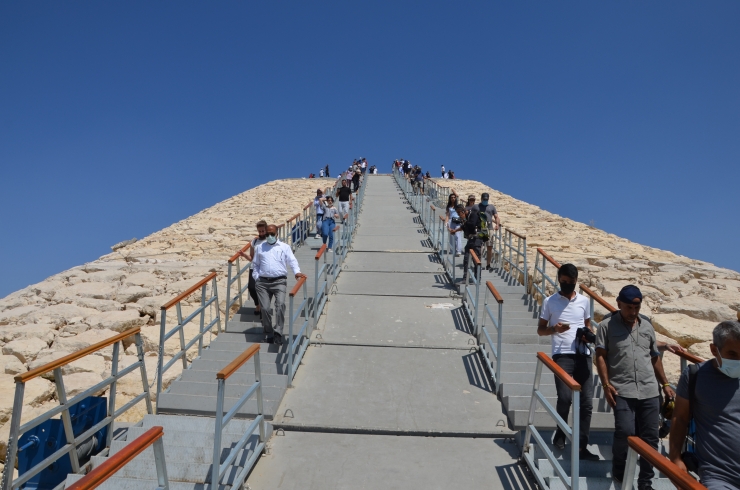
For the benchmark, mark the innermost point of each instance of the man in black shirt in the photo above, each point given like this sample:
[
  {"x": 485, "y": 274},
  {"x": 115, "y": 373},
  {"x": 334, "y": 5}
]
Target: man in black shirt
[
  {"x": 470, "y": 232},
  {"x": 344, "y": 194}
]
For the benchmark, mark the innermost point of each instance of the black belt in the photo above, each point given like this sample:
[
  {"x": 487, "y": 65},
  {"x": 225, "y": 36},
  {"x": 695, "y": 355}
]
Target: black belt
[{"x": 270, "y": 279}]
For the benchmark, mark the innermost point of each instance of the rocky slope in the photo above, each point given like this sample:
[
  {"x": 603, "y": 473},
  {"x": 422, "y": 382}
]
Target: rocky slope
[
  {"x": 123, "y": 289},
  {"x": 686, "y": 298}
]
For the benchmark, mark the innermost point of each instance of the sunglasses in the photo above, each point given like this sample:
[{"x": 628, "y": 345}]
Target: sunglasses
[{"x": 271, "y": 234}]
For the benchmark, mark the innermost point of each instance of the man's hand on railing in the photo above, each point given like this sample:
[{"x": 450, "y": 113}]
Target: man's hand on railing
[
  {"x": 672, "y": 348},
  {"x": 242, "y": 254},
  {"x": 299, "y": 275}
]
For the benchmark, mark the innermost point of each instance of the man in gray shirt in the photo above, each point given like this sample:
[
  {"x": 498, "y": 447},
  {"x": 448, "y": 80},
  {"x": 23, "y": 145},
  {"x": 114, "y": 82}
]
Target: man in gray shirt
[
  {"x": 628, "y": 363},
  {"x": 715, "y": 408}
]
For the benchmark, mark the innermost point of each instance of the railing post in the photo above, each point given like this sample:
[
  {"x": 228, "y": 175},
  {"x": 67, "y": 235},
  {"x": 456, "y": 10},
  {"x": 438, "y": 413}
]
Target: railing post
[
  {"x": 477, "y": 293},
  {"x": 526, "y": 277},
  {"x": 215, "y": 302},
  {"x": 316, "y": 299},
  {"x": 238, "y": 283},
  {"x": 160, "y": 354},
  {"x": 162, "y": 478},
  {"x": 575, "y": 443},
  {"x": 532, "y": 405},
  {"x": 112, "y": 396},
  {"x": 202, "y": 318},
  {"x": 142, "y": 371},
  {"x": 499, "y": 341},
  {"x": 66, "y": 421},
  {"x": 216, "y": 468},
  {"x": 628, "y": 480},
  {"x": 290, "y": 341},
  {"x": 228, "y": 288},
  {"x": 181, "y": 332},
  {"x": 260, "y": 404},
  {"x": 15, "y": 424}
]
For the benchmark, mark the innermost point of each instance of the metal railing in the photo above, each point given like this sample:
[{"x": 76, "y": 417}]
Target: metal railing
[
  {"x": 297, "y": 347},
  {"x": 484, "y": 337},
  {"x": 515, "y": 255},
  {"x": 540, "y": 278},
  {"x": 571, "y": 432},
  {"x": 678, "y": 477},
  {"x": 72, "y": 442},
  {"x": 471, "y": 295},
  {"x": 109, "y": 467},
  {"x": 222, "y": 420},
  {"x": 205, "y": 302},
  {"x": 321, "y": 284},
  {"x": 232, "y": 277}
]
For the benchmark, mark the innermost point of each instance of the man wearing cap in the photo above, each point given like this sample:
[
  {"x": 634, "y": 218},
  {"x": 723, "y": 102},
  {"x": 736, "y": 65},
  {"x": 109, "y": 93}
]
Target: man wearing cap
[
  {"x": 493, "y": 225},
  {"x": 628, "y": 363},
  {"x": 319, "y": 211}
]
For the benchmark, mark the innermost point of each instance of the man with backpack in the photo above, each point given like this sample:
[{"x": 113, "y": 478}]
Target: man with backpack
[
  {"x": 493, "y": 223},
  {"x": 631, "y": 372},
  {"x": 473, "y": 233},
  {"x": 709, "y": 394}
]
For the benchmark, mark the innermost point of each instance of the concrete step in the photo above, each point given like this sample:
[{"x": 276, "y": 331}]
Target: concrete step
[
  {"x": 522, "y": 348},
  {"x": 200, "y": 438},
  {"x": 194, "y": 424},
  {"x": 518, "y": 420},
  {"x": 239, "y": 378},
  {"x": 227, "y": 355},
  {"x": 118, "y": 483},
  {"x": 523, "y": 338},
  {"x": 593, "y": 483},
  {"x": 178, "y": 403},
  {"x": 214, "y": 366},
  {"x": 233, "y": 390},
  {"x": 522, "y": 403},
  {"x": 236, "y": 347}
]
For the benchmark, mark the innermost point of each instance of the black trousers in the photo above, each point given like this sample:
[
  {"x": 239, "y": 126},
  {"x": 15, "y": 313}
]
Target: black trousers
[
  {"x": 475, "y": 246},
  {"x": 633, "y": 417},
  {"x": 252, "y": 288},
  {"x": 581, "y": 369}
]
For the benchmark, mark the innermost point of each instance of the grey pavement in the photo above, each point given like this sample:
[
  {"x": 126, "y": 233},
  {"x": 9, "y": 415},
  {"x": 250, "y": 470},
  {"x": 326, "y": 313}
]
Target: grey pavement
[
  {"x": 385, "y": 262},
  {"x": 311, "y": 461},
  {"x": 435, "y": 285}
]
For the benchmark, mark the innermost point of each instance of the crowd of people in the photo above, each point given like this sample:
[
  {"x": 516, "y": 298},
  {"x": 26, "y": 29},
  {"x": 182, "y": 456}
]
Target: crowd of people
[
  {"x": 359, "y": 166},
  {"x": 629, "y": 365}
]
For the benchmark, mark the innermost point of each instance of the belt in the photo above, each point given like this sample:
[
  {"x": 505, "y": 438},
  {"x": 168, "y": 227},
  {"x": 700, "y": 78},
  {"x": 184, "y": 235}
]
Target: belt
[{"x": 270, "y": 279}]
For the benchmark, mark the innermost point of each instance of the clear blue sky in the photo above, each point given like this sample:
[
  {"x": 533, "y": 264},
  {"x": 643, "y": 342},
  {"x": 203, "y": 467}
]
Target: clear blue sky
[{"x": 120, "y": 118}]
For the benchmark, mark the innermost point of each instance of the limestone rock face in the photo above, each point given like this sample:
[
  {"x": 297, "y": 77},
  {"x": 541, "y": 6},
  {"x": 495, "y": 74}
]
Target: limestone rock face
[
  {"x": 118, "y": 321},
  {"x": 11, "y": 365},
  {"x": 24, "y": 349}
]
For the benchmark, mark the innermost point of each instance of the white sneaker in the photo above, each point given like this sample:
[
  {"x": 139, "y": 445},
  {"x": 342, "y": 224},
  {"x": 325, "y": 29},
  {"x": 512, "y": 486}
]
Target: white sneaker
[
  {"x": 318, "y": 235},
  {"x": 328, "y": 250},
  {"x": 457, "y": 255}
]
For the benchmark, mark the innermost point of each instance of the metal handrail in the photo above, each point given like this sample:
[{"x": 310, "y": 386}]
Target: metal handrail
[
  {"x": 218, "y": 468},
  {"x": 70, "y": 448},
  {"x": 164, "y": 335},
  {"x": 98, "y": 476},
  {"x": 321, "y": 291},
  {"x": 539, "y": 284},
  {"x": 516, "y": 255},
  {"x": 231, "y": 278},
  {"x": 473, "y": 273},
  {"x": 484, "y": 337},
  {"x": 571, "y": 432},
  {"x": 678, "y": 477},
  {"x": 304, "y": 332}
]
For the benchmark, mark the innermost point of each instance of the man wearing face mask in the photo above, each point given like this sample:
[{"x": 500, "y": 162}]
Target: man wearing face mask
[
  {"x": 715, "y": 408},
  {"x": 493, "y": 224},
  {"x": 252, "y": 284},
  {"x": 630, "y": 369},
  {"x": 270, "y": 270},
  {"x": 562, "y": 315}
]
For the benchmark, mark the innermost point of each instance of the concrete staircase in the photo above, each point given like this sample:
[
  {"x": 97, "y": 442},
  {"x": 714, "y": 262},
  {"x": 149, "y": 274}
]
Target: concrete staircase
[{"x": 188, "y": 443}]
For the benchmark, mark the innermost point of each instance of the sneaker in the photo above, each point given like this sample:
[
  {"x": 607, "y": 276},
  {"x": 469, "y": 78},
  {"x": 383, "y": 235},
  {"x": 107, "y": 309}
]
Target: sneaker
[
  {"x": 617, "y": 477},
  {"x": 458, "y": 254},
  {"x": 318, "y": 235},
  {"x": 278, "y": 339},
  {"x": 489, "y": 268},
  {"x": 559, "y": 441},
  {"x": 587, "y": 455},
  {"x": 269, "y": 339},
  {"x": 644, "y": 486},
  {"x": 329, "y": 251}
]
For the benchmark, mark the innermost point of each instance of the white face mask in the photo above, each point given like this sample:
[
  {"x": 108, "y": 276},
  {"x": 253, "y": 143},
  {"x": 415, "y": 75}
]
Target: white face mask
[
  {"x": 730, "y": 367},
  {"x": 271, "y": 239}
]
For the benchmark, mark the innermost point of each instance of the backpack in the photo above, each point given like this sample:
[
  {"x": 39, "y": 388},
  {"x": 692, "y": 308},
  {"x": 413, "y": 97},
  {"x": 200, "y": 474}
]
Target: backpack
[
  {"x": 689, "y": 456},
  {"x": 483, "y": 231}
]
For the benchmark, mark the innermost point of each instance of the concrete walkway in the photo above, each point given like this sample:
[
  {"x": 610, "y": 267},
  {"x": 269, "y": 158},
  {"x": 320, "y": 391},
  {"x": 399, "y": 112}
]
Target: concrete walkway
[{"x": 392, "y": 356}]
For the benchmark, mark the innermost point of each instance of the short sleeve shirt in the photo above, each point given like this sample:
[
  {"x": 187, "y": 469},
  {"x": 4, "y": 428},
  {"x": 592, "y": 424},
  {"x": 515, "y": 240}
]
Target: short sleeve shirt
[
  {"x": 575, "y": 310},
  {"x": 490, "y": 211},
  {"x": 629, "y": 353},
  {"x": 344, "y": 193},
  {"x": 716, "y": 411}
]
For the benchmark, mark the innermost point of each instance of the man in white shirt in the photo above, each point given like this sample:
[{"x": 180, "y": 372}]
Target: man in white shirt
[
  {"x": 443, "y": 171},
  {"x": 562, "y": 315},
  {"x": 270, "y": 270}
]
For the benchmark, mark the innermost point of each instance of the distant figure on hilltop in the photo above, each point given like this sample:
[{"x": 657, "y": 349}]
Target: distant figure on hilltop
[
  {"x": 321, "y": 172},
  {"x": 326, "y": 171},
  {"x": 443, "y": 172}
]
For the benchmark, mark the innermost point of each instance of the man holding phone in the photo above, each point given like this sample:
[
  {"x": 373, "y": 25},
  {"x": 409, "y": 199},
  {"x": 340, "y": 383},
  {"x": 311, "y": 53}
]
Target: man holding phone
[{"x": 563, "y": 314}]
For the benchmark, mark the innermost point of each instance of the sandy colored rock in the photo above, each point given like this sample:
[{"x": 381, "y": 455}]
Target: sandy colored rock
[
  {"x": 15, "y": 315},
  {"x": 118, "y": 321},
  {"x": 702, "y": 350},
  {"x": 683, "y": 329},
  {"x": 131, "y": 294},
  {"x": 59, "y": 314},
  {"x": 699, "y": 308},
  {"x": 36, "y": 392},
  {"x": 44, "y": 331},
  {"x": 85, "y": 339},
  {"x": 11, "y": 365},
  {"x": 25, "y": 350},
  {"x": 76, "y": 383}
]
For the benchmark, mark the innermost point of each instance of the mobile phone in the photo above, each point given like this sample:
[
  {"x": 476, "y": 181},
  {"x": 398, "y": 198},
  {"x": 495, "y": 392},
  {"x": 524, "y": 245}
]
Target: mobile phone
[{"x": 566, "y": 325}]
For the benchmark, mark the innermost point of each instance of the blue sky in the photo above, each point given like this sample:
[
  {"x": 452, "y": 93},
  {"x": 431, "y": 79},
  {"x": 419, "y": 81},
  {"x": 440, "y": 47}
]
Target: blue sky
[{"x": 120, "y": 118}]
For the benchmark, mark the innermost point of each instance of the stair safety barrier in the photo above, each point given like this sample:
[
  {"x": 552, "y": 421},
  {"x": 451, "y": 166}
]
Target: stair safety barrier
[
  {"x": 515, "y": 255},
  {"x": 321, "y": 284},
  {"x": 206, "y": 301},
  {"x": 222, "y": 420},
  {"x": 540, "y": 278},
  {"x": 282, "y": 233},
  {"x": 235, "y": 272},
  {"x": 99, "y": 475},
  {"x": 439, "y": 194},
  {"x": 571, "y": 432},
  {"x": 297, "y": 347},
  {"x": 471, "y": 295},
  {"x": 293, "y": 229},
  {"x": 485, "y": 343},
  {"x": 72, "y": 442},
  {"x": 678, "y": 477}
]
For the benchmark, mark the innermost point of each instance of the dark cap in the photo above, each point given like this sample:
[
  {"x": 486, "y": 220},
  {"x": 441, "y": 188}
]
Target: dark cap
[
  {"x": 484, "y": 196},
  {"x": 319, "y": 191},
  {"x": 629, "y": 293}
]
